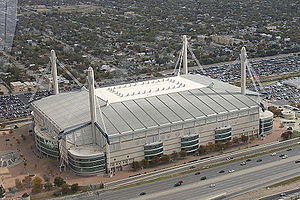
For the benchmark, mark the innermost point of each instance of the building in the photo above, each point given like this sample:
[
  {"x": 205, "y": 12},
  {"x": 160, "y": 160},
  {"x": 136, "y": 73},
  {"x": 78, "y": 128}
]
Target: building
[{"x": 105, "y": 129}]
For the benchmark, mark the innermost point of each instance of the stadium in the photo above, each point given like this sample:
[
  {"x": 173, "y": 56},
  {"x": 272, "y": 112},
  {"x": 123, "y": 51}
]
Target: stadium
[{"x": 103, "y": 130}]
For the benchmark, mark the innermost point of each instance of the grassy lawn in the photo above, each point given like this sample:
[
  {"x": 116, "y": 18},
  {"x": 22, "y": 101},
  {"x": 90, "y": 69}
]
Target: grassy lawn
[
  {"x": 286, "y": 182},
  {"x": 295, "y": 134}
]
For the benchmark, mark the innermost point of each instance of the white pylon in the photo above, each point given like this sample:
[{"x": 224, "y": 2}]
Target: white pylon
[
  {"x": 54, "y": 72},
  {"x": 243, "y": 57},
  {"x": 92, "y": 98},
  {"x": 185, "y": 65}
]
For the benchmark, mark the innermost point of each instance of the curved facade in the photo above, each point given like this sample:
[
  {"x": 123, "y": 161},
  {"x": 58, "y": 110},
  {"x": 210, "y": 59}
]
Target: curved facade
[
  {"x": 154, "y": 149},
  {"x": 266, "y": 123},
  {"x": 223, "y": 134},
  {"x": 86, "y": 164},
  {"x": 190, "y": 143},
  {"x": 46, "y": 146}
]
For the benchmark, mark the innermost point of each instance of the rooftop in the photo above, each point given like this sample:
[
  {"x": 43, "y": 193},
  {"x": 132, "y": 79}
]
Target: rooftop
[{"x": 197, "y": 97}]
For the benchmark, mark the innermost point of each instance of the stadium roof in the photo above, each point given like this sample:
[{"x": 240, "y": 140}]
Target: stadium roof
[{"x": 199, "y": 97}]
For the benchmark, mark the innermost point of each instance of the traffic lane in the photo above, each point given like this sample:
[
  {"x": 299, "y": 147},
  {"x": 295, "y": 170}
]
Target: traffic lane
[
  {"x": 167, "y": 185},
  {"x": 239, "y": 183},
  {"x": 209, "y": 173}
]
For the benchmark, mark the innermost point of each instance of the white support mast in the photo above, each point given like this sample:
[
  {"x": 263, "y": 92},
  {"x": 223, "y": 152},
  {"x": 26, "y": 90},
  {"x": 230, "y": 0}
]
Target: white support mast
[
  {"x": 185, "y": 65},
  {"x": 92, "y": 97},
  {"x": 54, "y": 72},
  {"x": 243, "y": 57}
]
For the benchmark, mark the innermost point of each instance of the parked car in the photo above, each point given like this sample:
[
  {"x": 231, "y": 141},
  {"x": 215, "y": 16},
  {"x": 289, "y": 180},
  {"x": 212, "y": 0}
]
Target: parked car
[{"x": 284, "y": 157}]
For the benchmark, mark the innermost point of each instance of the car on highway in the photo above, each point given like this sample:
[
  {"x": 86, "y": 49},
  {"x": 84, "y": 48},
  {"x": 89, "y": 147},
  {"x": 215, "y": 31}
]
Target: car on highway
[
  {"x": 222, "y": 171},
  {"x": 273, "y": 154},
  {"x": 192, "y": 167},
  {"x": 259, "y": 160},
  {"x": 243, "y": 163},
  {"x": 203, "y": 178},
  {"x": 229, "y": 158},
  {"x": 212, "y": 185},
  {"x": 248, "y": 160},
  {"x": 284, "y": 157},
  {"x": 281, "y": 155},
  {"x": 177, "y": 184},
  {"x": 289, "y": 149},
  {"x": 297, "y": 161},
  {"x": 231, "y": 170},
  {"x": 197, "y": 173},
  {"x": 142, "y": 193}
]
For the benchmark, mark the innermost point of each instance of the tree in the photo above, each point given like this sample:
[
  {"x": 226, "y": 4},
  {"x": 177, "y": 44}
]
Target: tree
[
  {"x": 145, "y": 163},
  {"x": 201, "y": 150},
  {"x": 174, "y": 155},
  {"x": 19, "y": 184},
  {"x": 183, "y": 153},
  {"x": 252, "y": 138},
  {"x": 59, "y": 181},
  {"x": 235, "y": 140},
  {"x": 286, "y": 135},
  {"x": 135, "y": 165},
  {"x": 155, "y": 160},
  {"x": 244, "y": 138},
  {"x": 74, "y": 187},
  {"x": 48, "y": 186},
  {"x": 37, "y": 185},
  {"x": 65, "y": 189},
  {"x": 2, "y": 192},
  {"x": 165, "y": 158},
  {"x": 27, "y": 181},
  {"x": 37, "y": 180}
]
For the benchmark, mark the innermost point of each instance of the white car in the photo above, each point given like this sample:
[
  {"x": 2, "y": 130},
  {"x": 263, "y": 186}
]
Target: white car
[
  {"x": 230, "y": 171},
  {"x": 212, "y": 185},
  {"x": 273, "y": 154},
  {"x": 284, "y": 157}
]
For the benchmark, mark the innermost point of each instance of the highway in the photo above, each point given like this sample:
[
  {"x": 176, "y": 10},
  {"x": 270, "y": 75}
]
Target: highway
[{"x": 245, "y": 178}]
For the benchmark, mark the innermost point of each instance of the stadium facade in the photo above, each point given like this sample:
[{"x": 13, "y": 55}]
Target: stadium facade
[{"x": 103, "y": 130}]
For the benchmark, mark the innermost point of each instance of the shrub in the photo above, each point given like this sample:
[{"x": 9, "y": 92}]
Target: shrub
[
  {"x": 59, "y": 181},
  {"x": 19, "y": 184},
  {"x": 183, "y": 153},
  {"x": 74, "y": 187},
  {"x": 65, "y": 189},
  {"x": 135, "y": 165},
  {"x": 25, "y": 195},
  {"x": 48, "y": 186}
]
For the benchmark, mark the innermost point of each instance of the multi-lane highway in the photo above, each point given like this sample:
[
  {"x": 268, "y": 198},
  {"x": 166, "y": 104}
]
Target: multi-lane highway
[{"x": 245, "y": 178}]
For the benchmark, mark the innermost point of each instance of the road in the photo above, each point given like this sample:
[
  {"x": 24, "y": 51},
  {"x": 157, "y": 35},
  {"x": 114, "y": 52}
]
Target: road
[{"x": 251, "y": 176}]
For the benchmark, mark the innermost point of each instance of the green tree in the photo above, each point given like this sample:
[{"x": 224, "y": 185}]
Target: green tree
[
  {"x": 59, "y": 181},
  {"x": 2, "y": 192},
  {"x": 65, "y": 189},
  {"x": 37, "y": 185},
  {"x": 48, "y": 186},
  {"x": 74, "y": 187}
]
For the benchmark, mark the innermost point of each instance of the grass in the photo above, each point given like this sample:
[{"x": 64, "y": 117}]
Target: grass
[
  {"x": 286, "y": 182},
  {"x": 295, "y": 134},
  {"x": 199, "y": 169}
]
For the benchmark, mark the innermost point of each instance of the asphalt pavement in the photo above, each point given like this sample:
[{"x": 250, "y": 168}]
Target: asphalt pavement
[{"x": 245, "y": 178}]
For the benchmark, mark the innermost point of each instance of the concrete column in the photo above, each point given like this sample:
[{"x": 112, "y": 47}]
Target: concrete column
[
  {"x": 185, "y": 65},
  {"x": 92, "y": 98},
  {"x": 243, "y": 57},
  {"x": 54, "y": 72}
]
